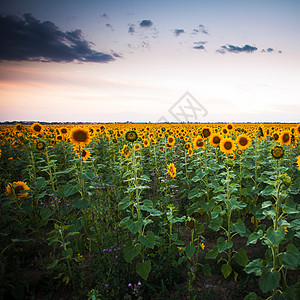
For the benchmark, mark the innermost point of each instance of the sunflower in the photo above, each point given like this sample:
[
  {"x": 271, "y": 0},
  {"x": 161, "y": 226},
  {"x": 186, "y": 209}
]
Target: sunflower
[
  {"x": 146, "y": 143},
  {"x": 298, "y": 129},
  {"x": 275, "y": 136},
  {"x": 17, "y": 189},
  {"x": 64, "y": 131},
  {"x": 190, "y": 152},
  {"x": 79, "y": 136},
  {"x": 227, "y": 145},
  {"x": 137, "y": 147},
  {"x": 126, "y": 151},
  {"x": 171, "y": 139},
  {"x": 37, "y": 128},
  {"x": 40, "y": 145},
  {"x": 206, "y": 132},
  {"x": 285, "y": 138},
  {"x": 215, "y": 139},
  {"x": 169, "y": 146},
  {"x": 239, "y": 152},
  {"x": 298, "y": 161},
  {"x": 198, "y": 142},
  {"x": 243, "y": 142},
  {"x": 187, "y": 145},
  {"x": 85, "y": 154},
  {"x": 131, "y": 136},
  {"x": 18, "y": 127},
  {"x": 230, "y": 127},
  {"x": 171, "y": 170},
  {"x": 277, "y": 152}
]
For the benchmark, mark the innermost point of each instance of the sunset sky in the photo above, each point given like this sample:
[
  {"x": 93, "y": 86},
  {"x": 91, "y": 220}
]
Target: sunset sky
[{"x": 135, "y": 60}]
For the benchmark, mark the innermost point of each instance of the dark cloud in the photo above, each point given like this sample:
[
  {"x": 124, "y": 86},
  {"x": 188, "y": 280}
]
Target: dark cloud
[
  {"x": 109, "y": 26},
  {"x": 200, "y": 29},
  {"x": 146, "y": 23},
  {"x": 199, "y": 45},
  {"x": 131, "y": 28},
  {"x": 178, "y": 32},
  {"x": 28, "y": 39},
  {"x": 236, "y": 49}
]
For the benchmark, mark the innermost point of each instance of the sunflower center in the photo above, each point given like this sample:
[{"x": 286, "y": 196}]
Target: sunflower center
[
  {"x": 206, "y": 132},
  {"x": 276, "y": 136},
  {"x": 64, "y": 131},
  {"x": 216, "y": 140},
  {"x": 286, "y": 137},
  {"x": 243, "y": 141},
  {"x": 227, "y": 145},
  {"x": 18, "y": 189},
  {"x": 80, "y": 136},
  {"x": 37, "y": 128}
]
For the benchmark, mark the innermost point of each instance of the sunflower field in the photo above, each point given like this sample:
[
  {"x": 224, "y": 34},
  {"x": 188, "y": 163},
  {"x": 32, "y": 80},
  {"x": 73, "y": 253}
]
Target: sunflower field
[{"x": 150, "y": 211}]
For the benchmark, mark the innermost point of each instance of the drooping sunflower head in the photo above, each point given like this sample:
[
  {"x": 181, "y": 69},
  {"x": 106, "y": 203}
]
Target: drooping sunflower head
[
  {"x": 285, "y": 138},
  {"x": 187, "y": 145},
  {"x": 85, "y": 154},
  {"x": 227, "y": 145},
  {"x": 79, "y": 136},
  {"x": 126, "y": 151},
  {"x": 277, "y": 152},
  {"x": 17, "y": 189},
  {"x": 171, "y": 170},
  {"x": 131, "y": 136},
  {"x": 215, "y": 140},
  {"x": 243, "y": 142},
  {"x": 190, "y": 152},
  {"x": 37, "y": 128}
]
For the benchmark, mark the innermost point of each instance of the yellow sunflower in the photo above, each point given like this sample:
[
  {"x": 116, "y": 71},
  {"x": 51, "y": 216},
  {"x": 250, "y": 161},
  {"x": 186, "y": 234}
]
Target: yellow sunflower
[
  {"x": 37, "y": 128},
  {"x": 146, "y": 143},
  {"x": 298, "y": 129},
  {"x": 17, "y": 188},
  {"x": 171, "y": 139},
  {"x": 190, "y": 152},
  {"x": 79, "y": 136},
  {"x": 227, "y": 145},
  {"x": 243, "y": 142},
  {"x": 171, "y": 170},
  {"x": 277, "y": 152},
  {"x": 215, "y": 139},
  {"x": 206, "y": 132},
  {"x": 137, "y": 147},
  {"x": 126, "y": 151},
  {"x": 198, "y": 142},
  {"x": 131, "y": 136},
  {"x": 298, "y": 161},
  {"x": 285, "y": 137},
  {"x": 85, "y": 154}
]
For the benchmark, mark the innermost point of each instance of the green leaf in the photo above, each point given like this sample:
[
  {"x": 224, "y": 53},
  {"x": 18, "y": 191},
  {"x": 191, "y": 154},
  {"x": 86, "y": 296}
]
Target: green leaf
[
  {"x": 148, "y": 240},
  {"x": 70, "y": 189},
  {"x": 275, "y": 236},
  {"x": 241, "y": 257},
  {"x": 223, "y": 245},
  {"x": 253, "y": 237},
  {"x": 134, "y": 227},
  {"x": 81, "y": 203},
  {"x": 123, "y": 204},
  {"x": 206, "y": 270},
  {"x": 239, "y": 227},
  {"x": 212, "y": 253},
  {"x": 226, "y": 270},
  {"x": 131, "y": 252},
  {"x": 190, "y": 250},
  {"x": 52, "y": 265},
  {"x": 255, "y": 267},
  {"x": 251, "y": 296},
  {"x": 174, "y": 237},
  {"x": 194, "y": 193},
  {"x": 269, "y": 281},
  {"x": 143, "y": 269},
  {"x": 21, "y": 240},
  {"x": 45, "y": 213},
  {"x": 68, "y": 253},
  {"x": 193, "y": 209},
  {"x": 291, "y": 257}
]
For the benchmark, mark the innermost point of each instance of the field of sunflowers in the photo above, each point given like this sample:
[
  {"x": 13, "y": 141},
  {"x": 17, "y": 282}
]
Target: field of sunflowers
[{"x": 150, "y": 211}]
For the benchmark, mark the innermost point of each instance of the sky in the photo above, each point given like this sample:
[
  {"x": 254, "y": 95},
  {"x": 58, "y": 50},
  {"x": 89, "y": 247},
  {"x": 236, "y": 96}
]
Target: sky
[{"x": 150, "y": 61}]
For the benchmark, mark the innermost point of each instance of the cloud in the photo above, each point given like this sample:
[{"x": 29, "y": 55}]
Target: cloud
[
  {"x": 109, "y": 26},
  {"x": 236, "y": 49},
  {"x": 178, "y": 32},
  {"x": 131, "y": 28},
  {"x": 200, "y": 29},
  {"x": 29, "y": 39},
  {"x": 146, "y": 23},
  {"x": 199, "y": 45}
]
